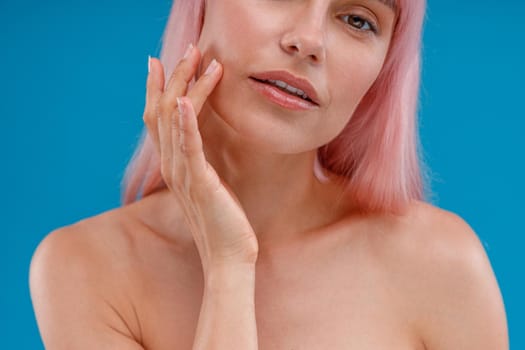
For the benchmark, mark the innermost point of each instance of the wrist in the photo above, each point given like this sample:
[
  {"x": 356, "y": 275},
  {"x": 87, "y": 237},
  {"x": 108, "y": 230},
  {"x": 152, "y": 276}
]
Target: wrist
[{"x": 229, "y": 276}]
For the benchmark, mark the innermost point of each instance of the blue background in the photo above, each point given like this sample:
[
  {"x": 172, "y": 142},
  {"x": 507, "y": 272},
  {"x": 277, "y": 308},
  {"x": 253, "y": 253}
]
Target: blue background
[{"x": 72, "y": 94}]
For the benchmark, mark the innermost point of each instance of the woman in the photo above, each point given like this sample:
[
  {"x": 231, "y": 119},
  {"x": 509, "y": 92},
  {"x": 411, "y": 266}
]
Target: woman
[{"x": 279, "y": 198}]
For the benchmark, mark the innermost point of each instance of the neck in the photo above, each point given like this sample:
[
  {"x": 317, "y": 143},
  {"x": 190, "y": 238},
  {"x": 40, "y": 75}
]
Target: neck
[{"x": 280, "y": 193}]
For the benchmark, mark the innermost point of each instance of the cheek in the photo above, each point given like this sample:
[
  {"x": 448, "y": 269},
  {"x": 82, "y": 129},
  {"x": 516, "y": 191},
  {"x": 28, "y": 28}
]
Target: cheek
[
  {"x": 229, "y": 33},
  {"x": 351, "y": 76},
  {"x": 352, "y": 81}
]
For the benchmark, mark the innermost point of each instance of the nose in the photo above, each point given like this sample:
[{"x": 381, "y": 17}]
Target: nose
[{"x": 305, "y": 39}]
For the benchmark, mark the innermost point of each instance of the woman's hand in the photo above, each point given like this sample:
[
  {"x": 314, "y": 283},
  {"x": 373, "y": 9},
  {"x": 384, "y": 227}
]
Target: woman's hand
[{"x": 213, "y": 214}]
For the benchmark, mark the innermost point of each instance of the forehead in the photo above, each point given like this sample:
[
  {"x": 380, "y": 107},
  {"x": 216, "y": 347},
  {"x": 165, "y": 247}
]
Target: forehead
[{"x": 389, "y": 3}]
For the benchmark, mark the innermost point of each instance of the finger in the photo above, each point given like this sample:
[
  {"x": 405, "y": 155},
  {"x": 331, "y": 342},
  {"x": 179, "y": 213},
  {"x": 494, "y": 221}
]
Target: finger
[
  {"x": 179, "y": 80},
  {"x": 186, "y": 67},
  {"x": 205, "y": 85},
  {"x": 190, "y": 143},
  {"x": 154, "y": 89},
  {"x": 165, "y": 127}
]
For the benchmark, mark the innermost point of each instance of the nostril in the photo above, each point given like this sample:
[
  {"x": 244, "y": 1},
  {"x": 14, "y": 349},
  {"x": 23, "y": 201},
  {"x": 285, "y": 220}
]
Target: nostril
[
  {"x": 294, "y": 48},
  {"x": 305, "y": 46}
]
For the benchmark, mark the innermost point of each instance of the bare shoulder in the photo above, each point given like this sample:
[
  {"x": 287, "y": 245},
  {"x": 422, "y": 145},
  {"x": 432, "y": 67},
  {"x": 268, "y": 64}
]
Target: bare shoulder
[
  {"x": 89, "y": 237},
  {"x": 95, "y": 284},
  {"x": 78, "y": 276},
  {"x": 443, "y": 239},
  {"x": 439, "y": 234},
  {"x": 448, "y": 278},
  {"x": 118, "y": 242},
  {"x": 93, "y": 245},
  {"x": 426, "y": 233}
]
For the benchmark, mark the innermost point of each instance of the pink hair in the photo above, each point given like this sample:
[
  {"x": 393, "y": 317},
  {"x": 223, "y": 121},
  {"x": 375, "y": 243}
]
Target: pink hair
[{"x": 377, "y": 151}]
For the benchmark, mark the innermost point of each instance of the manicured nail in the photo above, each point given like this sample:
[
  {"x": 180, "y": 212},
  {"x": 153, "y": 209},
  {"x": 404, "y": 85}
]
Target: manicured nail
[
  {"x": 213, "y": 65},
  {"x": 188, "y": 51},
  {"x": 149, "y": 63}
]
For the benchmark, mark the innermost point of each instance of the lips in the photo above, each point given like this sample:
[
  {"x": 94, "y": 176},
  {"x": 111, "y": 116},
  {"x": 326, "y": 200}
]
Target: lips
[{"x": 295, "y": 83}]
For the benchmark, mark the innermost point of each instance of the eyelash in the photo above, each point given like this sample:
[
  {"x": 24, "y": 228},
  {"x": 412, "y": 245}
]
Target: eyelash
[{"x": 372, "y": 26}]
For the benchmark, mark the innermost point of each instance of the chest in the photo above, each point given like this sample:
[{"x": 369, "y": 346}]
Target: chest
[{"x": 310, "y": 303}]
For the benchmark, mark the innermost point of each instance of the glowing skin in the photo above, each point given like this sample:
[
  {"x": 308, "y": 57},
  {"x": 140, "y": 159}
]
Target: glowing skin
[
  {"x": 335, "y": 46},
  {"x": 326, "y": 276},
  {"x": 309, "y": 39}
]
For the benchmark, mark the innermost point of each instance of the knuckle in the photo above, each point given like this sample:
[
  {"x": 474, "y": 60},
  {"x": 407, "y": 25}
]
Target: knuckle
[
  {"x": 148, "y": 117},
  {"x": 179, "y": 71},
  {"x": 157, "y": 111},
  {"x": 184, "y": 62},
  {"x": 183, "y": 149},
  {"x": 162, "y": 107},
  {"x": 147, "y": 121},
  {"x": 150, "y": 126},
  {"x": 178, "y": 74},
  {"x": 189, "y": 150},
  {"x": 173, "y": 122}
]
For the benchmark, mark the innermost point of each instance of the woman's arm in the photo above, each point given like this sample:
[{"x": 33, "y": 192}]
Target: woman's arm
[
  {"x": 227, "y": 317},
  {"x": 75, "y": 292},
  {"x": 224, "y": 238},
  {"x": 69, "y": 293}
]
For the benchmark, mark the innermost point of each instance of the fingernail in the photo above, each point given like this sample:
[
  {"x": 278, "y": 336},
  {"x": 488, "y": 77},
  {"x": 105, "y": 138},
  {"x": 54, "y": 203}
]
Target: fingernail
[
  {"x": 188, "y": 51},
  {"x": 149, "y": 63},
  {"x": 213, "y": 65}
]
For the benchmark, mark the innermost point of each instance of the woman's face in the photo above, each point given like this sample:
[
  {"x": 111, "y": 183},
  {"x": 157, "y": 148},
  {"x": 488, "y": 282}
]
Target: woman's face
[{"x": 336, "y": 46}]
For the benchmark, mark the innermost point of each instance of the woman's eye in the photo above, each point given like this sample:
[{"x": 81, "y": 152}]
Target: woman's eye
[{"x": 359, "y": 23}]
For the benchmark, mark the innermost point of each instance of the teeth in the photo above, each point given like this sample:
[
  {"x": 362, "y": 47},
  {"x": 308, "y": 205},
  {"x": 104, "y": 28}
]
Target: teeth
[{"x": 289, "y": 88}]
